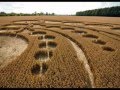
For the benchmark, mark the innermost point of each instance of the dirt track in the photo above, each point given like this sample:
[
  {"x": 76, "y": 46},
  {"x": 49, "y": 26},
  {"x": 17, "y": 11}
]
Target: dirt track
[{"x": 81, "y": 56}]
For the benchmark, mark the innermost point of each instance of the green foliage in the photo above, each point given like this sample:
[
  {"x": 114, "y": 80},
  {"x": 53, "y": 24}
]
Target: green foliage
[
  {"x": 25, "y": 14},
  {"x": 111, "y": 11}
]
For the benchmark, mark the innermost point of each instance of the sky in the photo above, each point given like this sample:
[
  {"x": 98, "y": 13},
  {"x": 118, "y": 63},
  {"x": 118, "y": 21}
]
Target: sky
[{"x": 61, "y": 8}]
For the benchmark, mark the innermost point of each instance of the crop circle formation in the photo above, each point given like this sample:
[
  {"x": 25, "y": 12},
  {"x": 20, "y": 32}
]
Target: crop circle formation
[{"x": 54, "y": 52}]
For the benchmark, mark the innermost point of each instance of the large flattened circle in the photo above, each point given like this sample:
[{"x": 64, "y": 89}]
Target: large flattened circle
[{"x": 11, "y": 47}]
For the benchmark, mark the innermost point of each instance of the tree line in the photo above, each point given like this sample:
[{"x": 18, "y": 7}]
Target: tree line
[
  {"x": 110, "y": 11},
  {"x": 25, "y": 14}
]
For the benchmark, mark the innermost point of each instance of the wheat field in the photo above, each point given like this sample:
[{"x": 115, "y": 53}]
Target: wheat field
[{"x": 59, "y": 52}]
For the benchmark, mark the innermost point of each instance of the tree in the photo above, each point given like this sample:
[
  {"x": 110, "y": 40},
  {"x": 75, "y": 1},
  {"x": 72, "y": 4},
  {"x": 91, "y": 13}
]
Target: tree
[
  {"x": 53, "y": 13},
  {"x": 110, "y": 11},
  {"x": 46, "y": 13},
  {"x": 2, "y": 14}
]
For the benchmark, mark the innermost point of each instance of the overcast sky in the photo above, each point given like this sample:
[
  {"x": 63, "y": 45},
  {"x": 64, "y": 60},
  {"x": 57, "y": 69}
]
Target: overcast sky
[{"x": 56, "y": 7}]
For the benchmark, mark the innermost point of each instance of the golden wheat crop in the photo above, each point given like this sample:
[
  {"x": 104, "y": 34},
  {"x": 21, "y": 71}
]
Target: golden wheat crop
[{"x": 50, "y": 59}]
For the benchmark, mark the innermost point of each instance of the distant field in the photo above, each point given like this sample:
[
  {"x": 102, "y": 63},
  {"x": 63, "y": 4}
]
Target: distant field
[
  {"x": 114, "y": 20},
  {"x": 60, "y": 51}
]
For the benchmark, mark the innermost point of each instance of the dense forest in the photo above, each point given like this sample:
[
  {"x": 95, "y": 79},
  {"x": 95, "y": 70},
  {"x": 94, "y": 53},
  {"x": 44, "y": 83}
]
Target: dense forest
[{"x": 110, "y": 11}]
